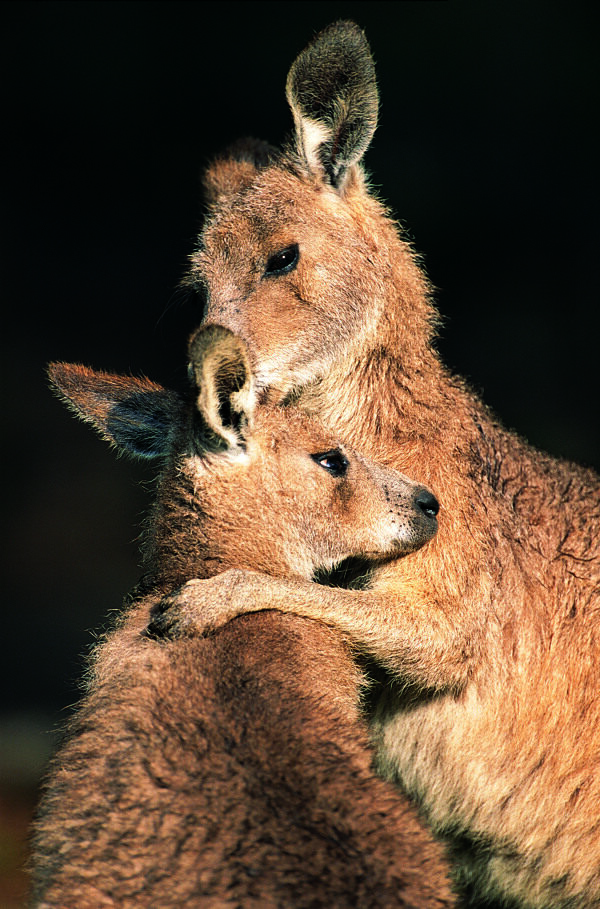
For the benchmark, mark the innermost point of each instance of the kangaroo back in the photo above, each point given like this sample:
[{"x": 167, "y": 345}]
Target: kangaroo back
[{"x": 230, "y": 770}]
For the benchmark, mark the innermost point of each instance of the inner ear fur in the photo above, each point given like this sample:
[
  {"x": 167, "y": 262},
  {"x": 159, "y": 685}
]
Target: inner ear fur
[
  {"x": 222, "y": 373},
  {"x": 136, "y": 415},
  {"x": 332, "y": 91}
]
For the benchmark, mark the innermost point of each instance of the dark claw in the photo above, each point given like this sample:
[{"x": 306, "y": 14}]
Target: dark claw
[
  {"x": 163, "y": 622},
  {"x": 158, "y": 627}
]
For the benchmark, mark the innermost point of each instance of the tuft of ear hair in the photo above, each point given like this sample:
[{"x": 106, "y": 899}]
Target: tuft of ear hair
[
  {"x": 236, "y": 168},
  {"x": 221, "y": 370},
  {"x": 332, "y": 91},
  {"x": 135, "y": 415}
]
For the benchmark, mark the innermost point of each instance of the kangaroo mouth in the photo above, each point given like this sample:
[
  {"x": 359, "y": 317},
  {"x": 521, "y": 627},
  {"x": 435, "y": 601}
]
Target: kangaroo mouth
[{"x": 354, "y": 573}]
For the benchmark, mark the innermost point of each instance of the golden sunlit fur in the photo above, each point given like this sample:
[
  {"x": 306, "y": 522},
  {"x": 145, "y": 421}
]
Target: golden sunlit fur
[{"x": 491, "y": 631}]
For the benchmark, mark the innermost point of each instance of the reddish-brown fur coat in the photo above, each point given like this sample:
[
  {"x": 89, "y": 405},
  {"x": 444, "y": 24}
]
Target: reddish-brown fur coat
[
  {"x": 230, "y": 771},
  {"x": 233, "y": 770}
]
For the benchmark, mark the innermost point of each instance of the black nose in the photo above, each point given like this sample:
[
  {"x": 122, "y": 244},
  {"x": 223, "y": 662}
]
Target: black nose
[{"x": 428, "y": 503}]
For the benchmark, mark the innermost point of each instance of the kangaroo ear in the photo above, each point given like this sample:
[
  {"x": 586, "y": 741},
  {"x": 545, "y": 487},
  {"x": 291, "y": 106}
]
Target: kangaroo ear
[
  {"x": 221, "y": 369},
  {"x": 236, "y": 168},
  {"x": 332, "y": 91},
  {"x": 135, "y": 415}
]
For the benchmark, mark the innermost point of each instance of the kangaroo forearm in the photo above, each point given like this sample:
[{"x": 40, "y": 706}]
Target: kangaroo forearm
[{"x": 411, "y": 636}]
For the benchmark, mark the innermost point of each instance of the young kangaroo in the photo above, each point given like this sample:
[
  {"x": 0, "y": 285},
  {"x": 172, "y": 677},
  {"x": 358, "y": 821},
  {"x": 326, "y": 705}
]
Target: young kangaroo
[
  {"x": 494, "y": 628},
  {"x": 233, "y": 770}
]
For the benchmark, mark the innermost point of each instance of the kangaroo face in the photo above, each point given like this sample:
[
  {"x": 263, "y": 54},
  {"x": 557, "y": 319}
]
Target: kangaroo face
[
  {"x": 248, "y": 484},
  {"x": 290, "y": 499},
  {"x": 294, "y": 257},
  {"x": 276, "y": 490},
  {"x": 294, "y": 499},
  {"x": 285, "y": 264}
]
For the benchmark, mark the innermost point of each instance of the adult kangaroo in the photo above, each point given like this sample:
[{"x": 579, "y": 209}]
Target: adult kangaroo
[
  {"x": 494, "y": 627},
  {"x": 233, "y": 770}
]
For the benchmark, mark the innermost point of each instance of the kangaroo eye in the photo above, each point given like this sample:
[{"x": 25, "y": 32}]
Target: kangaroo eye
[
  {"x": 334, "y": 462},
  {"x": 284, "y": 261}
]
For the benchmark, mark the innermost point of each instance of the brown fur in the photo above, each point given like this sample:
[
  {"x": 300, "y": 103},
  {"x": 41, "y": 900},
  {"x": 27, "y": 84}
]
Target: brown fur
[
  {"x": 494, "y": 628},
  {"x": 233, "y": 770}
]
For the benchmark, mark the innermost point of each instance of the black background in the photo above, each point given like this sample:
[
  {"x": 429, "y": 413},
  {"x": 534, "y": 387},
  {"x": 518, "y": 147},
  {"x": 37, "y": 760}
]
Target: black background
[{"x": 486, "y": 150}]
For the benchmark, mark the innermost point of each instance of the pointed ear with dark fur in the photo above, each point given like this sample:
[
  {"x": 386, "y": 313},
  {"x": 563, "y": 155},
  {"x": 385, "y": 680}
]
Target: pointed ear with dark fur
[
  {"x": 332, "y": 91},
  {"x": 226, "y": 398},
  {"x": 135, "y": 415}
]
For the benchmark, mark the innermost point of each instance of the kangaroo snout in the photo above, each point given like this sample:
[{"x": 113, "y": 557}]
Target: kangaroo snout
[{"x": 411, "y": 510}]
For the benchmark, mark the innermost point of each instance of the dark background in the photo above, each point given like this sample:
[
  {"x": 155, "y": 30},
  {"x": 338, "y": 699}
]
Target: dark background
[{"x": 486, "y": 150}]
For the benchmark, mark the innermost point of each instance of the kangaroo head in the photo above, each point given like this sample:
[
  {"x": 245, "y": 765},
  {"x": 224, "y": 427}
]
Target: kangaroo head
[
  {"x": 296, "y": 257},
  {"x": 246, "y": 484}
]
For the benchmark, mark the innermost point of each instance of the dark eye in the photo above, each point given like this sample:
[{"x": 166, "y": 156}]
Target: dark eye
[
  {"x": 284, "y": 261},
  {"x": 334, "y": 462}
]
